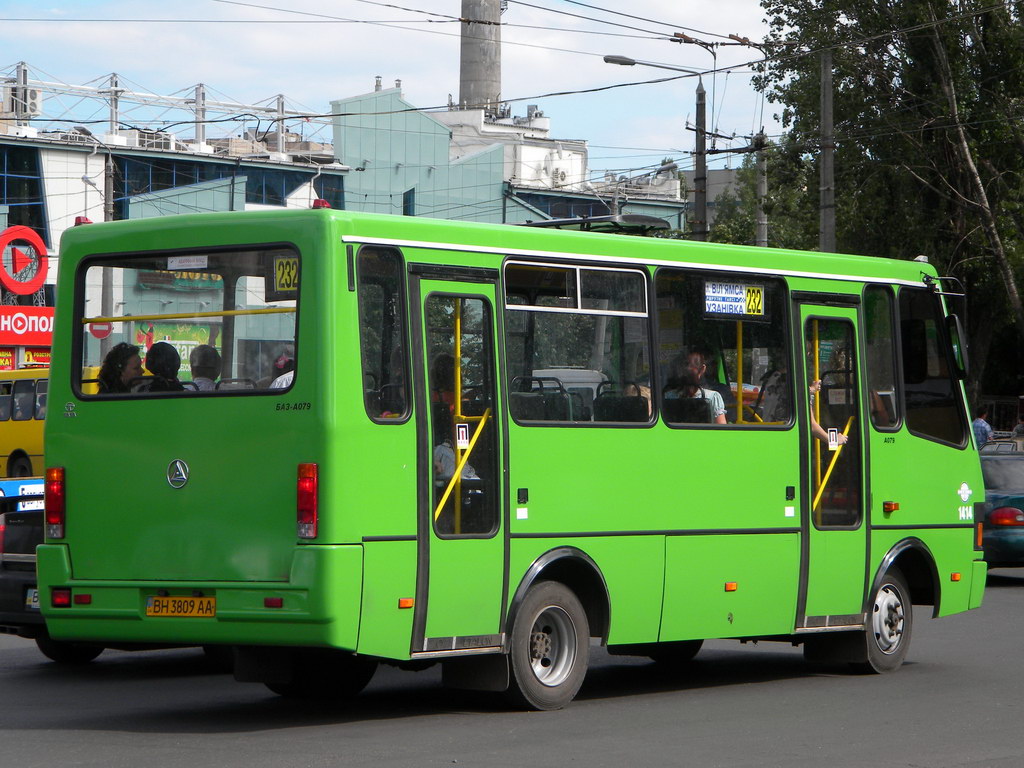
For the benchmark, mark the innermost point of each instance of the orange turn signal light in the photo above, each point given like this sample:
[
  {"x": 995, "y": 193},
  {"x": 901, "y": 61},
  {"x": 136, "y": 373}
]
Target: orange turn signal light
[
  {"x": 406, "y": 602},
  {"x": 731, "y": 586},
  {"x": 890, "y": 506},
  {"x": 954, "y": 577}
]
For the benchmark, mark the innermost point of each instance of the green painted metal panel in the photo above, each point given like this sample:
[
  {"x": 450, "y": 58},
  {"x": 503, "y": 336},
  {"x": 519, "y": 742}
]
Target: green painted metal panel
[
  {"x": 730, "y": 586},
  {"x": 389, "y": 575}
]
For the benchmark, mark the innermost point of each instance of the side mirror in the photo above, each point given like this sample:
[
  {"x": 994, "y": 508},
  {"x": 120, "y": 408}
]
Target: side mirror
[{"x": 958, "y": 345}]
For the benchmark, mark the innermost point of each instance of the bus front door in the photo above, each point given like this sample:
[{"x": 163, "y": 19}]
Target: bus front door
[
  {"x": 834, "y": 558},
  {"x": 461, "y": 586}
]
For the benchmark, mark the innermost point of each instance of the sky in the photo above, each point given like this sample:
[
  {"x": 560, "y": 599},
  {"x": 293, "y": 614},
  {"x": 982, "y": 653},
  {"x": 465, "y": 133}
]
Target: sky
[{"x": 313, "y": 51}]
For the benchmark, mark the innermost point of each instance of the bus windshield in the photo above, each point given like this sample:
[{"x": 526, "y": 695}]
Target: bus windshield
[{"x": 199, "y": 322}]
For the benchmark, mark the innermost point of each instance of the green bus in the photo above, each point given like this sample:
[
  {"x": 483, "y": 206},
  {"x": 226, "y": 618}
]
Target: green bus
[{"x": 490, "y": 446}]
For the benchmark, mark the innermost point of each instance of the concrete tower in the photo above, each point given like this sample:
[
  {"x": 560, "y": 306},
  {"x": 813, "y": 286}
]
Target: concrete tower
[{"x": 480, "y": 55}]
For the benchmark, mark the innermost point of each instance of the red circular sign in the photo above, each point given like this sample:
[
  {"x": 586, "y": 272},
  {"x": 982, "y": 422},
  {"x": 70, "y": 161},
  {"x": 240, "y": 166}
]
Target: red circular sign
[
  {"x": 101, "y": 330},
  {"x": 26, "y": 248}
]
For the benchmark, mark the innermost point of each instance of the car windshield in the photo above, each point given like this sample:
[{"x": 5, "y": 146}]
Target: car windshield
[{"x": 1003, "y": 474}]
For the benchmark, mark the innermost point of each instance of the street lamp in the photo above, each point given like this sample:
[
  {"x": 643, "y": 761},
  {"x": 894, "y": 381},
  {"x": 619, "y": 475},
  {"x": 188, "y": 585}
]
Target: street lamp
[
  {"x": 625, "y": 61},
  {"x": 700, "y": 174}
]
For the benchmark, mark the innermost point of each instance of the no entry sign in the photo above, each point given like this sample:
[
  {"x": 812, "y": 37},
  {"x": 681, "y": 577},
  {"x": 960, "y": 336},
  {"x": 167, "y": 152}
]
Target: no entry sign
[
  {"x": 101, "y": 330},
  {"x": 24, "y": 262}
]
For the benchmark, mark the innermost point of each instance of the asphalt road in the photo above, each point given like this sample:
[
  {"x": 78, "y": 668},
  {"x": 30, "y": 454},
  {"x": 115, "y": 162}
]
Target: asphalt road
[{"x": 956, "y": 702}]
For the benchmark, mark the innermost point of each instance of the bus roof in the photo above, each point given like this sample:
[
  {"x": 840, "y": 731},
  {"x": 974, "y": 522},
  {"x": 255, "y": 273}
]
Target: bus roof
[{"x": 501, "y": 240}]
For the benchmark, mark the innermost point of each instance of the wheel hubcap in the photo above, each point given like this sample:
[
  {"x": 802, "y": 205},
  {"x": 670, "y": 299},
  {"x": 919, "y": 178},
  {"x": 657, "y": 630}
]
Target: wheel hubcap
[
  {"x": 887, "y": 620},
  {"x": 552, "y": 646}
]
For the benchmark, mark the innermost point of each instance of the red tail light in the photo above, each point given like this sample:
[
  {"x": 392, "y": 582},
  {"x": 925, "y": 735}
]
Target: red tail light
[
  {"x": 306, "y": 501},
  {"x": 60, "y": 597},
  {"x": 55, "y": 502},
  {"x": 1006, "y": 516}
]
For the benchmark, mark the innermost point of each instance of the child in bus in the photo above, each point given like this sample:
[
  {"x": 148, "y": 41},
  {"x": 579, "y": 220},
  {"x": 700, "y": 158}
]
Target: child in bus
[{"x": 120, "y": 368}]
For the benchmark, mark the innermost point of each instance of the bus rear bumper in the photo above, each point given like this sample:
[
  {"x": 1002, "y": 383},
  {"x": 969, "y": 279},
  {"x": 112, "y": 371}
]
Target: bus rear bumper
[{"x": 295, "y": 612}]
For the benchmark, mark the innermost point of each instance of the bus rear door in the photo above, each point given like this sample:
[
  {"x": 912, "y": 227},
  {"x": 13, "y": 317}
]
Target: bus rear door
[{"x": 461, "y": 584}]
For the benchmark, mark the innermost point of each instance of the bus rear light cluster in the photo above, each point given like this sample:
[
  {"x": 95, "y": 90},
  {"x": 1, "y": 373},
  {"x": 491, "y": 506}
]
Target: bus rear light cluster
[
  {"x": 55, "y": 502},
  {"x": 306, "y": 501}
]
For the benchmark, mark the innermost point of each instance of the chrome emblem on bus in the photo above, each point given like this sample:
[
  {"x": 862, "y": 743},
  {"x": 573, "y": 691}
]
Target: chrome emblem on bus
[{"x": 177, "y": 473}]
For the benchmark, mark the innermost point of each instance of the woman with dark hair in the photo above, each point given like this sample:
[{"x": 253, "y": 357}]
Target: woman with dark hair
[
  {"x": 120, "y": 367},
  {"x": 163, "y": 361}
]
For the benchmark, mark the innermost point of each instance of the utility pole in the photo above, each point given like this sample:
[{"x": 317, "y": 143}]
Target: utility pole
[
  {"x": 827, "y": 224},
  {"x": 700, "y": 175},
  {"x": 761, "y": 235}
]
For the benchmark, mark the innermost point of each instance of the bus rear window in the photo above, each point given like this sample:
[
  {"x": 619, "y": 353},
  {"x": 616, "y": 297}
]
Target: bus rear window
[{"x": 188, "y": 323}]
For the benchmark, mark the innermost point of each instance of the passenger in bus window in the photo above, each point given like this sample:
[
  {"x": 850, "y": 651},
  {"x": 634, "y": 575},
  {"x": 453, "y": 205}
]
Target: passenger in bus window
[
  {"x": 284, "y": 371},
  {"x": 442, "y": 380},
  {"x": 816, "y": 429},
  {"x": 120, "y": 368},
  {"x": 164, "y": 362},
  {"x": 205, "y": 363},
  {"x": 687, "y": 372}
]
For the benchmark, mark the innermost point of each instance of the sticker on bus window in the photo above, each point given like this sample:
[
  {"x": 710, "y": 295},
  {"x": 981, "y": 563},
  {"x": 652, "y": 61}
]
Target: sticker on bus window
[
  {"x": 739, "y": 300},
  {"x": 178, "y": 263},
  {"x": 282, "y": 282}
]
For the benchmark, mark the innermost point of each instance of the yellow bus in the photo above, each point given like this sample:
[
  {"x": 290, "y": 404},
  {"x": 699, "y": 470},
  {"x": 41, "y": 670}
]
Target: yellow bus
[{"x": 22, "y": 410}]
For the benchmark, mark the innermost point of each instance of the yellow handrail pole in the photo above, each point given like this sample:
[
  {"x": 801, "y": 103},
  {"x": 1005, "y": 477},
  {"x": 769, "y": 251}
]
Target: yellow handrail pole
[
  {"x": 817, "y": 401},
  {"x": 458, "y": 413},
  {"x": 190, "y": 315},
  {"x": 828, "y": 472},
  {"x": 739, "y": 372},
  {"x": 457, "y": 477}
]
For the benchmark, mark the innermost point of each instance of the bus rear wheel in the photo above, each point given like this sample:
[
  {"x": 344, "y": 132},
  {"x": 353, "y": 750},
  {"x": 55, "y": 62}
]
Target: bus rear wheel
[
  {"x": 64, "y": 652},
  {"x": 323, "y": 675},
  {"x": 550, "y": 647}
]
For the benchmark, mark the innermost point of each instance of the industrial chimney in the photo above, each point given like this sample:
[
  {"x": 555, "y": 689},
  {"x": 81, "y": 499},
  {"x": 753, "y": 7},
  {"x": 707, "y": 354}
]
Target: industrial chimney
[{"x": 480, "y": 56}]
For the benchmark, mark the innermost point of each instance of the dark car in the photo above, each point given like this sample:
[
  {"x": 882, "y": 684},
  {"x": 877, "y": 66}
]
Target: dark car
[
  {"x": 1003, "y": 526},
  {"x": 21, "y": 529}
]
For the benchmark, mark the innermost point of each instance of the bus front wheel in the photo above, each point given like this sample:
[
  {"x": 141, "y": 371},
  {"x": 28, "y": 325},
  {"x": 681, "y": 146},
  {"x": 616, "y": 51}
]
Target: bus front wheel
[
  {"x": 550, "y": 647},
  {"x": 890, "y": 619}
]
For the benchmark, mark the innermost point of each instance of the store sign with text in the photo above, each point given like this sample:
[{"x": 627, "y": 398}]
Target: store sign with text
[{"x": 26, "y": 326}]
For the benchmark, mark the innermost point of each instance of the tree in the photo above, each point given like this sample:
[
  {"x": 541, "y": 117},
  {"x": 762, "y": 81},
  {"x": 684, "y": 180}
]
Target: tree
[{"x": 929, "y": 153}]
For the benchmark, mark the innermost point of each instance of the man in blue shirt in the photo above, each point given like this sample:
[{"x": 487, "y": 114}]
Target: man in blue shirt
[{"x": 982, "y": 430}]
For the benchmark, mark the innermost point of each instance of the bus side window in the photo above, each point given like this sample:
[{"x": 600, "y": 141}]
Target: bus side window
[
  {"x": 41, "y": 386},
  {"x": 880, "y": 358},
  {"x": 577, "y": 344},
  {"x": 734, "y": 328},
  {"x": 5, "y": 400},
  {"x": 934, "y": 409},
  {"x": 24, "y": 400},
  {"x": 382, "y": 334}
]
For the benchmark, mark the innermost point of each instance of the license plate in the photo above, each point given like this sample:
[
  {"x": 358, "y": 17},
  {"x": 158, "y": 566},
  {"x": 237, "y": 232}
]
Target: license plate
[
  {"x": 32, "y": 599},
  {"x": 181, "y": 607}
]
